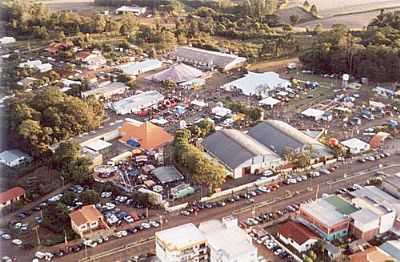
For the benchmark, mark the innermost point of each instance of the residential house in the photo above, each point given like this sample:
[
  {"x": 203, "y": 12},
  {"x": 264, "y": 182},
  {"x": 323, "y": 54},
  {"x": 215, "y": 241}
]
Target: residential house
[
  {"x": 10, "y": 196},
  {"x": 356, "y": 146},
  {"x": 136, "y": 10},
  {"x": 91, "y": 60},
  {"x": 14, "y": 158},
  {"x": 86, "y": 220},
  {"x": 297, "y": 236},
  {"x": 37, "y": 65}
]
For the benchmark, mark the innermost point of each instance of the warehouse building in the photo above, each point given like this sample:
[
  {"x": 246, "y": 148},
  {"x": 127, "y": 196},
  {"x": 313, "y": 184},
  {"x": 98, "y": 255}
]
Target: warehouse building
[
  {"x": 208, "y": 59},
  {"x": 137, "y": 68},
  {"x": 107, "y": 90},
  {"x": 136, "y": 103},
  {"x": 279, "y": 136},
  {"x": 239, "y": 153}
]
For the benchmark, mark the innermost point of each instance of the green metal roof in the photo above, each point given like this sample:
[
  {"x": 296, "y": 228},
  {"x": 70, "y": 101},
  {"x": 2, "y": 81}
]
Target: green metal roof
[{"x": 341, "y": 205}]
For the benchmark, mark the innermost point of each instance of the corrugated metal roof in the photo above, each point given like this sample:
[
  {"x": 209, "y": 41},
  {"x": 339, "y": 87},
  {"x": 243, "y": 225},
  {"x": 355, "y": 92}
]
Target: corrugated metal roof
[{"x": 234, "y": 148}]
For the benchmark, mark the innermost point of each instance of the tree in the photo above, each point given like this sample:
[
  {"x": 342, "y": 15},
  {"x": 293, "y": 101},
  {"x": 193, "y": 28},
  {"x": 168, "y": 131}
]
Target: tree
[
  {"x": 314, "y": 10},
  {"x": 306, "y": 4},
  {"x": 77, "y": 171},
  {"x": 255, "y": 113},
  {"x": 69, "y": 198},
  {"x": 294, "y": 19},
  {"x": 90, "y": 197},
  {"x": 55, "y": 217},
  {"x": 65, "y": 153}
]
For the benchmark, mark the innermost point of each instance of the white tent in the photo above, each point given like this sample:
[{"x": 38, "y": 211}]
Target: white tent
[
  {"x": 316, "y": 114},
  {"x": 269, "y": 101},
  {"x": 257, "y": 83},
  {"x": 221, "y": 111}
]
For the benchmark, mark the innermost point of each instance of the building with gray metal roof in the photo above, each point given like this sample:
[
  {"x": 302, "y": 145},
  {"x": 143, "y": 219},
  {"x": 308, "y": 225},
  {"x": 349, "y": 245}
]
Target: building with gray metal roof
[
  {"x": 240, "y": 153},
  {"x": 280, "y": 136}
]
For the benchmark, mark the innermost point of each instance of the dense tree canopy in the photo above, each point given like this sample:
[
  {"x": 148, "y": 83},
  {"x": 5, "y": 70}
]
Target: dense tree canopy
[
  {"x": 57, "y": 117},
  {"x": 374, "y": 53}
]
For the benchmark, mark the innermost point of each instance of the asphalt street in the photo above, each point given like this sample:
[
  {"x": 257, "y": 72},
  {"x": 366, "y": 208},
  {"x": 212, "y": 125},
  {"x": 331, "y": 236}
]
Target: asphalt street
[{"x": 265, "y": 203}]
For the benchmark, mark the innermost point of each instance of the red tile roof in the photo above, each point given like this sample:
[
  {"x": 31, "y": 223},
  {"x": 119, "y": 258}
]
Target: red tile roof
[
  {"x": 11, "y": 194},
  {"x": 148, "y": 135},
  {"x": 86, "y": 214},
  {"x": 297, "y": 232}
]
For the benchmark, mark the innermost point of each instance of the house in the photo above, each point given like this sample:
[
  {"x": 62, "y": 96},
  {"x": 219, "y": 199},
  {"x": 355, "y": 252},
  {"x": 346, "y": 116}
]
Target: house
[
  {"x": 327, "y": 216},
  {"x": 136, "y": 10},
  {"x": 137, "y": 103},
  {"x": 178, "y": 73},
  {"x": 365, "y": 224},
  {"x": 14, "y": 158},
  {"x": 208, "y": 59},
  {"x": 297, "y": 235},
  {"x": 7, "y": 40},
  {"x": 227, "y": 241},
  {"x": 37, "y": 65},
  {"x": 355, "y": 146},
  {"x": 381, "y": 203},
  {"x": 144, "y": 135},
  {"x": 240, "y": 153},
  {"x": 107, "y": 90},
  {"x": 87, "y": 219},
  {"x": 372, "y": 254},
  {"x": 391, "y": 184},
  {"x": 10, "y": 196},
  {"x": 221, "y": 111},
  {"x": 137, "y": 68},
  {"x": 279, "y": 137},
  {"x": 257, "y": 83},
  {"x": 182, "y": 243},
  {"x": 392, "y": 248},
  {"x": 91, "y": 60}
]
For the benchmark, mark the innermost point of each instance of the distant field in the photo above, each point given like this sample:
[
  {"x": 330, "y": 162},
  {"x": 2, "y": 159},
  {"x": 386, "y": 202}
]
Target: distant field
[
  {"x": 333, "y": 7},
  {"x": 357, "y": 21},
  {"x": 75, "y": 5},
  {"x": 284, "y": 15}
]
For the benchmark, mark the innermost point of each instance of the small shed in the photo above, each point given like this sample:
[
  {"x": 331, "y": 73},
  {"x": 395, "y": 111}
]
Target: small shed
[
  {"x": 355, "y": 145},
  {"x": 269, "y": 101}
]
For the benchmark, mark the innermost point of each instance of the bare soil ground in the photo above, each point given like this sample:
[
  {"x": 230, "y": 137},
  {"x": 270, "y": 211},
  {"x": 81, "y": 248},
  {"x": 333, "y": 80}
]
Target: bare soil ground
[
  {"x": 276, "y": 66},
  {"x": 284, "y": 15},
  {"x": 73, "y": 5}
]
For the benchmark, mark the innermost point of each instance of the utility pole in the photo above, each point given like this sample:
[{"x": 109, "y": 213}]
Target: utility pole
[
  {"x": 161, "y": 222},
  {"x": 316, "y": 192}
]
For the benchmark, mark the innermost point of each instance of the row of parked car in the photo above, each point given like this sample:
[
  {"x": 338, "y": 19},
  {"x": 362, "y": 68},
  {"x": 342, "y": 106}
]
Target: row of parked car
[
  {"x": 373, "y": 157},
  {"x": 249, "y": 196},
  {"x": 269, "y": 242}
]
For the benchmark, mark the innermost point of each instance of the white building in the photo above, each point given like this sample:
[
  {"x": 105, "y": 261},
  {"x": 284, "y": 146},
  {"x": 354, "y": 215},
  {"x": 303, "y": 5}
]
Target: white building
[
  {"x": 214, "y": 241},
  {"x": 107, "y": 91},
  {"x": 313, "y": 113},
  {"x": 94, "y": 60},
  {"x": 14, "y": 158},
  {"x": 136, "y": 103},
  {"x": 207, "y": 58},
  {"x": 221, "y": 111},
  {"x": 379, "y": 202},
  {"x": 136, "y": 10},
  {"x": 257, "y": 83},
  {"x": 355, "y": 145},
  {"x": 137, "y": 68},
  {"x": 227, "y": 242},
  {"x": 36, "y": 64},
  {"x": 269, "y": 101},
  {"x": 365, "y": 224},
  {"x": 182, "y": 243}
]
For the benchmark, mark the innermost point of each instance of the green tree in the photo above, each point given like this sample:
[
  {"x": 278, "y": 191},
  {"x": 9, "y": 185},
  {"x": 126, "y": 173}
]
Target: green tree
[
  {"x": 90, "y": 197},
  {"x": 314, "y": 10},
  {"x": 69, "y": 198},
  {"x": 306, "y": 4},
  {"x": 65, "y": 153},
  {"x": 55, "y": 217},
  {"x": 255, "y": 113},
  {"x": 294, "y": 19}
]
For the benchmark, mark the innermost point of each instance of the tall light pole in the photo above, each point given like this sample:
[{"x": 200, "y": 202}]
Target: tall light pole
[{"x": 36, "y": 228}]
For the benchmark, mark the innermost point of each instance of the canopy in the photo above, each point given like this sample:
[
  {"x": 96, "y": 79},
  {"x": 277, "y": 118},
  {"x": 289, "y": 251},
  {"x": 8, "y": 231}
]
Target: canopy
[
  {"x": 178, "y": 73},
  {"x": 269, "y": 101}
]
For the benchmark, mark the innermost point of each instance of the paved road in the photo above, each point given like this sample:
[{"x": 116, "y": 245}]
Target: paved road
[{"x": 325, "y": 187}]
